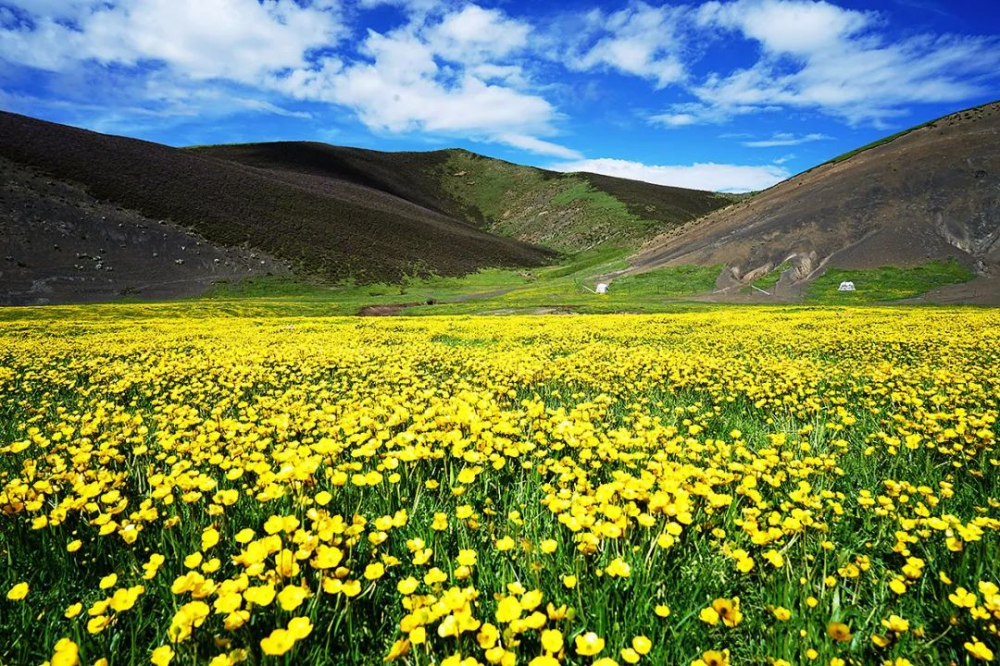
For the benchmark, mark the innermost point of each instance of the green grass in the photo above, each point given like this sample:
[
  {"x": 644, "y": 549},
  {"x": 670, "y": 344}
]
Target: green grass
[
  {"x": 670, "y": 281},
  {"x": 770, "y": 279},
  {"x": 888, "y": 283},
  {"x": 563, "y": 212}
]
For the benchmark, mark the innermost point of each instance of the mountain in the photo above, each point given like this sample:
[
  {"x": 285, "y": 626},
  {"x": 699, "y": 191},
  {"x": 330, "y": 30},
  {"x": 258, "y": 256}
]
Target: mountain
[
  {"x": 566, "y": 212},
  {"x": 87, "y": 216},
  {"x": 931, "y": 194}
]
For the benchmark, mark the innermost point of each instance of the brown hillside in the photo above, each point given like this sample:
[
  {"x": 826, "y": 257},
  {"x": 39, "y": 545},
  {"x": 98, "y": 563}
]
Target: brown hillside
[
  {"x": 500, "y": 197},
  {"x": 324, "y": 225},
  {"x": 58, "y": 244},
  {"x": 933, "y": 193}
]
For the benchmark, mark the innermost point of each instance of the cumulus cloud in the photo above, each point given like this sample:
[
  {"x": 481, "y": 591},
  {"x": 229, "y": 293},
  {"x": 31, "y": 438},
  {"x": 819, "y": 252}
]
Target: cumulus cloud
[
  {"x": 838, "y": 61},
  {"x": 641, "y": 40},
  {"x": 456, "y": 68},
  {"x": 447, "y": 70},
  {"x": 238, "y": 40},
  {"x": 708, "y": 176},
  {"x": 455, "y": 73}
]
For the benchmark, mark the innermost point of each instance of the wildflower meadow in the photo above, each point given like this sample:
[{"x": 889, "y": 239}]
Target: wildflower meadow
[{"x": 717, "y": 486}]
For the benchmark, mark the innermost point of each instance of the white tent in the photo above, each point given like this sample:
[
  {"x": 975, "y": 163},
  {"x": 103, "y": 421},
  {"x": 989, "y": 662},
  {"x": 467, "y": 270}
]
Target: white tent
[
  {"x": 846, "y": 286},
  {"x": 602, "y": 288}
]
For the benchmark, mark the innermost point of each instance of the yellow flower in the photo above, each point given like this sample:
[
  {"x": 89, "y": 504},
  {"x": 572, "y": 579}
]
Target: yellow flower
[
  {"x": 619, "y": 568},
  {"x": 663, "y": 610},
  {"x": 108, "y": 581},
  {"x": 978, "y": 650},
  {"x": 327, "y": 557},
  {"x": 299, "y": 627},
  {"x": 709, "y": 616},
  {"x": 715, "y": 658},
  {"x": 407, "y": 586},
  {"x": 66, "y": 653},
  {"x": 504, "y": 544},
  {"x": 782, "y": 613},
  {"x": 162, "y": 655},
  {"x": 291, "y": 597},
  {"x": 962, "y": 598},
  {"x": 548, "y": 546},
  {"x": 97, "y": 624},
  {"x": 642, "y": 645},
  {"x": 374, "y": 571},
  {"x": 278, "y": 643},
  {"x": 73, "y": 610},
  {"x": 74, "y": 546},
  {"x": 399, "y": 649},
  {"x": 531, "y": 600},
  {"x": 727, "y": 610},
  {"x": 123, "y": 599},
  {"x": 838, "y": 631},
  {"x": 896, "y": 624},
  {"x": 589, "y": 644},
  {"x": 18, "y": 592},
  {"x": 209, "y": 538},
  {"x": 569, "y": 581},
  {"x": 542, "y": 660},
  {"x": 508, "y": 610},
  {"x": 629, "y": 655},
  {"x": 261, "y": 595},
  {"x": 552, "y": 640}
]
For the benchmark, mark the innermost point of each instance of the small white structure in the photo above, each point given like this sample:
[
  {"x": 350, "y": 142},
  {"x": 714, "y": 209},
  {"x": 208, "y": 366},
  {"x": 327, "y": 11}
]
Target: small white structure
[
  {"x": 846, "y": 286},
  {"x": 602, "y": 288}
]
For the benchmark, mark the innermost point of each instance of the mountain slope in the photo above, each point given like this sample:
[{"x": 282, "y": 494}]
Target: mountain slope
[
  {"x": 59, "y": 244},
  {"x": 931, "y": 194},
  {"x": 332, "y": 227},
  {"x": 566, "y": 212}
]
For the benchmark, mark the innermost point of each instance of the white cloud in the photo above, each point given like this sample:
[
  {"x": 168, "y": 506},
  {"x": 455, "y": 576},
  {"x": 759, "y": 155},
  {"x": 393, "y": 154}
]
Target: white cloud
[
  {"x": 641, "y": 40},
  {"x": 452, "y": 74},
  {"x": 709, "y": 176},
  {"x": 788, "y": 26},
  {"x": 539, "y": 146},
  {"x": 475, "y": 34},
  {"x": 445, "y": 71},
  {"x": 239, "y": 40},
  {"x": 785, "y": 139},
  {"x": 817, "y": 55},
  {"x": 697, "y": 113}
]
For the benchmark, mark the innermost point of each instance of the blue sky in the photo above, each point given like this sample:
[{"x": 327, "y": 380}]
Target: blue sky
[{"x": 723, "y": 94}]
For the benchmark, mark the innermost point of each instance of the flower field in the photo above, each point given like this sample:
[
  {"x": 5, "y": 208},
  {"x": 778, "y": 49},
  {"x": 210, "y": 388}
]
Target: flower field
[{"x": 726, "y": 486}]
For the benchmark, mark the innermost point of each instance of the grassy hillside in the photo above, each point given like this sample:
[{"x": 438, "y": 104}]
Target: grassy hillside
[{"x": 569, "y": 213}]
